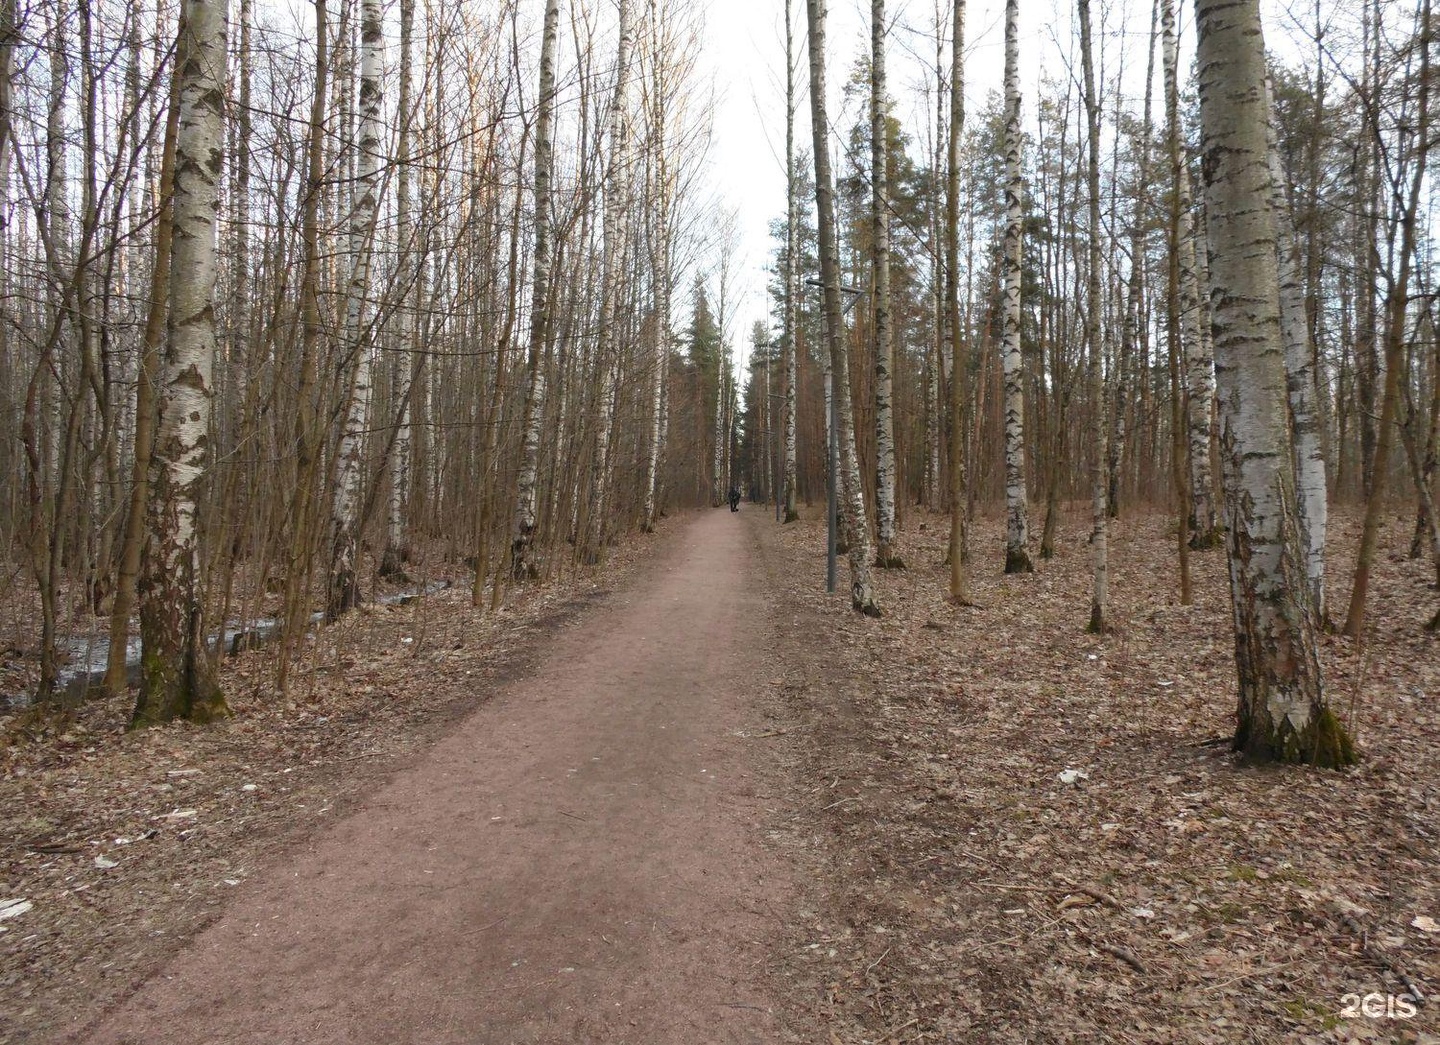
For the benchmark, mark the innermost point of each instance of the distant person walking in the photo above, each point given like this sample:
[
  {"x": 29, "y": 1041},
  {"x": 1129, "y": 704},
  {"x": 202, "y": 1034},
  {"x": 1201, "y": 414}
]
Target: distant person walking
[{"x": 734, "y": 498}]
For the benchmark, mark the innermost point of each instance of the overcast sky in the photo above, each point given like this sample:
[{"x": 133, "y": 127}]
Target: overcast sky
[{"x": 744, "y": 53}]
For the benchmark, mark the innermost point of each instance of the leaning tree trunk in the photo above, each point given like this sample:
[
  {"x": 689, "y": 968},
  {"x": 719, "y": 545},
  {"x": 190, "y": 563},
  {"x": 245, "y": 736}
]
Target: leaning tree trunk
[
  {"x": 792, "y": 268},
  {"x": 862, "y": 593},
  {"x": 1099, "y": 536},
  {"x": 1017, "y": 509},
  {"x": 356, "y": 341},
  {"x": 522, "y": 564},
  {"x": 959, "y": 552},
  {"x": 886, "y": 554},
  {"x": 1282, "y": 715},
  {"x": 177, "y": 675},
  {"x": 1199, "y": 366}
]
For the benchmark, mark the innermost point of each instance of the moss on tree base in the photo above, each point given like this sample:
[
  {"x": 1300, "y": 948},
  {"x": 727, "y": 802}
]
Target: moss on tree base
[
  {"x": 1017, "y": 560},
  {"x": 1324, "y": 743}
]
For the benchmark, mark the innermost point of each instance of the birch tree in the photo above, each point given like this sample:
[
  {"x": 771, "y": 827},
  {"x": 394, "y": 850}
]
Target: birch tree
[
  {"x": 616, "y": 233},
  {"x": 522, "y": 564},
  {"x": 1017, "y": 509},
  {"x": 792, "y": 267},
  {"x": 1199, "y": 366},
  {"x": 862, "y": 593},
  {"x": 886, "y": 553},
  {"x": 959, "y": 551},
  {"x": 1100, "y": 514},
  {"x": 396, "y": 546},
  {"x": 1282, "y": 714},
  {"x": 177, "y": 674},
  {"x": 661, "y": 276},
  {"x": 1311, "y": 503},
  {"x": 357, "y": 342}
]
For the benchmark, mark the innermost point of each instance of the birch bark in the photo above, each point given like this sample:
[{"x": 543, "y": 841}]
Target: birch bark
[
  {"x": 1199, "y": 364},
  {"x": 886, "y": 553},
  {"x": 959, "y": 546},
  {"x": 792, "y": 268},
  {"x": 616, "y": 234},
  {"x": 177, "y": 675},
  {"x": 522, "y": 563},
  {"x": 1282, "y": 715},
  {"x": 1100, "y": 515},
  {"x": 862, "y": 593},
  {"x": 1017, "y": 510},
  {"x": 1311, "y": 508},
  {"x": 356, "y": 340},
  {"x": 659, "y": 271}
]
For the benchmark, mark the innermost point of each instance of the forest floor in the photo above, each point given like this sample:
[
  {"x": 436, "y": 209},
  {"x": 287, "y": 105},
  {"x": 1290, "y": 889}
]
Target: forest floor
[
  {"x": 1168, "y": 893},
  {"x": 696, "y": 800}
]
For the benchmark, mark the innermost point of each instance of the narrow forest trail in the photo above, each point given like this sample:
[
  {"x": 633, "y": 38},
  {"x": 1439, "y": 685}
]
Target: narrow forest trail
[{"x": 582, "y": 859}]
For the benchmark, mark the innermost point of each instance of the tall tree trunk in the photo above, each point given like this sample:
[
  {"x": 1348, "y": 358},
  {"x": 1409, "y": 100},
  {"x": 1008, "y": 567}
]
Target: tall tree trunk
[
  {"x": 608, "y": 350},
  {"x": 959, "y": 550},
  {"x": 522, "y": 562},
  {"x": 660, "y": 277},
  {"x": 357, "y": 340},
  {"x": 397, "y": 551},
  {"x": 862, "y": 593},
  {"x": 1199, "y": 366},
  {"x": 1282, "y": 715},
  {"x": 1017, "y": 509},
  {"x": 177, "y": 674},
  {"x": 887, "y": 555},
  {"x": 146, "y": 415},
  {"x": 1099, "y": 537},
  {"x": 1311, "y": 508},
  {"x": 1397, "y": 304},
  {"x": 1130, "y": 334},
  {"x": 792, "y": 268}
]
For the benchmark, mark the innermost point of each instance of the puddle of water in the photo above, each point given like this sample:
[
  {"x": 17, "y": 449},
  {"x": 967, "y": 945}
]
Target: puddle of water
[{"x": 85, "y": 658}]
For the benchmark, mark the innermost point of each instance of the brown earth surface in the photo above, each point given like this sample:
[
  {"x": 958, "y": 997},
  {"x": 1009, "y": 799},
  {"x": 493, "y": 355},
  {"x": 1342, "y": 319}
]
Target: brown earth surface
[{"x": 707, "y": 803}]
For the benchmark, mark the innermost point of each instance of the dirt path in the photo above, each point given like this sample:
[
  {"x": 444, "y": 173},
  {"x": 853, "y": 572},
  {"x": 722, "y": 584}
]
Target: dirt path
[{"x": 581, "y": 860}]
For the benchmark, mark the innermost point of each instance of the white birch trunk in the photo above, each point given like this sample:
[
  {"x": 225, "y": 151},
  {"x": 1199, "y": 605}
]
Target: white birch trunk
[
  {"x": 959, "y": 551},
  {"x": 792, "y": 269},
  {"x": 659, "y": 273},
  {"x": 1311, "y": 507},
  {"x": 886, "y": 554},
  {"x": 1199, "y": 363},
  {"x": 177, "y": 675},
  {"x": 356, "y": 340},
  {"x": 616, "y": 234},
  {"x": 1282, "y": 714},
  {"x": 1099, "y": 479},
  {"x": 1017, "y": 511},
  {"x": 862, "y": 593},
  {"x": 401, "y": 367},
  {"x": 522, "y": 563}
]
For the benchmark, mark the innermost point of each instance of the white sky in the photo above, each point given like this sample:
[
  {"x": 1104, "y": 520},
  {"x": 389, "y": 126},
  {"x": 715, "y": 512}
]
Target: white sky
[{"x": 744, "y": 53}]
